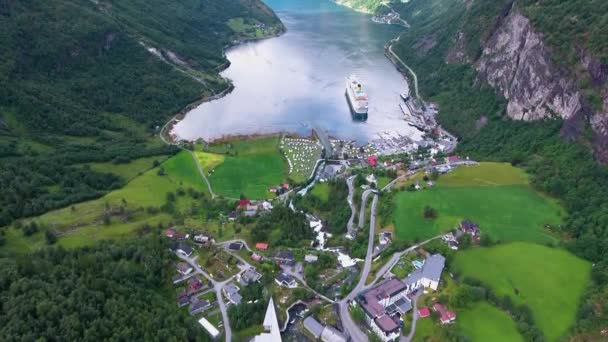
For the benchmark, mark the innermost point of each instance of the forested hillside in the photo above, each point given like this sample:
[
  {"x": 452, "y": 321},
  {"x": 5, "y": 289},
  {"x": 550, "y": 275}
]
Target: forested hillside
[
  {"x": 90, "y": 81},
  {"x": 114, "y": 291},
  {"x": 455, "y": 47}
]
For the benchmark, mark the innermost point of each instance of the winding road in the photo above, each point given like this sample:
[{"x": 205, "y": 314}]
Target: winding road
[
  {"x": 349, "y": 325},
  {"x": 351, "y": 191},
  {"x": 217, "y": 287}
]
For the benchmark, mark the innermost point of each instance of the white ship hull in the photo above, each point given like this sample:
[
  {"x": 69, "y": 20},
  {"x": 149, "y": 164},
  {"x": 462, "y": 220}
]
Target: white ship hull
[{"x": 356, "y": 101}]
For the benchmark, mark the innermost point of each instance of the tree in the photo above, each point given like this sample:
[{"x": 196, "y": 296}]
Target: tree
[
  {"x": 429, "y": 213},
  {"x": 50, "y": 237}
]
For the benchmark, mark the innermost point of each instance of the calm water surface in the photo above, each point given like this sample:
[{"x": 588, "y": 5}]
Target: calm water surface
[{"x": 297, "y": 81}]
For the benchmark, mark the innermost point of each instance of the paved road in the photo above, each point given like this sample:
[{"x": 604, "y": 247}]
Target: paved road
[
  {"x": 409, "y": 337},
  {"x": 351, "y": 191},
  {"x": 415, "y": 77},
  {"x": 363, "y": 204},
  {"x": 347, "y": 322},
  {"x": 217, "y": 287}
]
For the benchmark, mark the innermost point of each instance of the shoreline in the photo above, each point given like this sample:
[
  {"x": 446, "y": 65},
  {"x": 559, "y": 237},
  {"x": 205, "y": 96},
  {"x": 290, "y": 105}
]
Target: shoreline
[{"x": 165, "y": 132}]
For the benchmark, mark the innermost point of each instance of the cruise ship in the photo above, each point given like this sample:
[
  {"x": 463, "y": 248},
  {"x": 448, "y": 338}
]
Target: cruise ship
[{"x": 356, "y": 97}]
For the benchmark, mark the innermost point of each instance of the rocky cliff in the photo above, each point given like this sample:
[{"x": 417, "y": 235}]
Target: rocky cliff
[{"x": 517, "y": 62}]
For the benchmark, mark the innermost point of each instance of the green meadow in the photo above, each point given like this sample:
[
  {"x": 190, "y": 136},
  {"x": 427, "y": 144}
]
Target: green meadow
[
  {"x": 549, "y": 280},
  {"x": 82, "y": 223},
  {"x": 496, "y": 196},
  {"x": 250, "y": 168},
  {"x": 321, "y": 190},
  {"x": 484, "y": 322}
]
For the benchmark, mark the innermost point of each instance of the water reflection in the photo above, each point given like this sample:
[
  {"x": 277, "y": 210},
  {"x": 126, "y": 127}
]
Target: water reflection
[{"x": 295, "y": 81}]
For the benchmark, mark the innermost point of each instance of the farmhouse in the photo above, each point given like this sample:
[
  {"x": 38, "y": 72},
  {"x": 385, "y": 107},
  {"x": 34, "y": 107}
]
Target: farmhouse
[
  {"x": 182, "y": 299},
  {"x": 198, "y": 306},
  {"x": 383, "y": 306},
  {"x": 231, "y": 292},
  {"x": 471, "y": 228},
  {"x": 261, "y": 246},
  {"x": 194, "y": 284},
  {"x": 446, "y": 316},
  {"x": 428, "y": 275},
  {"x": 183, "y": 268},
  {"x": 182, "y": 248},
  {"x": 248, "y": 277},
  {"x": 235, "y": 246},
  {"x": 285, "y": 258},
  {"x": 285, "y": 280}
]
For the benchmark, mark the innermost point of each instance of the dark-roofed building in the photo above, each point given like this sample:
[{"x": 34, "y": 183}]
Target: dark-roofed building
[
  {"x": 471, "y": 228},
  {"x": 182, "y": 248},
  {"x": 198, "y": 306},
  {"x": 285, "y": 258},
  {"x": 285, "y": 280},
  {"x": 383, "y": 305},
  {"x": 194, "y": 284},
  {"x": 235, "y": 246},
  {"x": 313, "y": 327},
  {"x": 183, "y": 268},
  {"x": 182, "y": 299},
  {"x": 249, "y": 276},
  {"x": 231, "y": 292}
]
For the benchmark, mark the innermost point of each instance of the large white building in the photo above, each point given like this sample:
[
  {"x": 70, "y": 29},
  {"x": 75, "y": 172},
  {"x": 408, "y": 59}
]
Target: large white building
[
  {"x": 429, "y": 275},
  {"x": 272, "y": 331},
  {"x": 384, "y": 303}
]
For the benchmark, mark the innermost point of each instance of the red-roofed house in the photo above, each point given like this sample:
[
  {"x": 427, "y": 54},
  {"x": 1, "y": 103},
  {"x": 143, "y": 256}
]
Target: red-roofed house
[
  {"x": 261, "y": 246},
  {"x": 286, "y": 186},
  {"x": 243, "y": 203},
  {"x": 372, "y": 160},
  {"x": 424, "y": 312},
  {"x": 453, "y": 159},
  {"x": 446, "y": 316},
  {"x": 169, "y": 232}
]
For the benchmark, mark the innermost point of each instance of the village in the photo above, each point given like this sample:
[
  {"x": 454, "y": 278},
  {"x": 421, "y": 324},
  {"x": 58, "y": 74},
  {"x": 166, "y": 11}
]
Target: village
[{"x": 212, "y": 275}]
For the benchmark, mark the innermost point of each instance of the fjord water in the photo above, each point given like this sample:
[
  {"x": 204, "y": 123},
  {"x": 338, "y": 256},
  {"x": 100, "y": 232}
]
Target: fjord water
[{"x": 297, "y": 81}]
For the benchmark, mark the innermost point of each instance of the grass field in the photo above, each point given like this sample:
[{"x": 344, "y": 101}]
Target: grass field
[
  {"x": 496, "y": 196},
  {"x": 129, "y": 170},
  {"x": 484, "y": 322},
  {"x": 253, "y": 166},
  {"x": 209, "y": 161},
  {"x": 321, "y": 190},
  {"x": 81, "y": 224},
  {"x": 549, "y": 280}
]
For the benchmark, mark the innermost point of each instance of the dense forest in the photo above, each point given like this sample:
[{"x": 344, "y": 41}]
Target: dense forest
[
  {"x": 113, "y": 291},
  {"x": 565, "y": 169},
  {"x": 92, "y": 81}
]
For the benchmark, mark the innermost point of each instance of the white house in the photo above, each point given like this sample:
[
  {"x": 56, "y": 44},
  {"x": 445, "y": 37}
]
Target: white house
[{"x": 428, "y": 275}]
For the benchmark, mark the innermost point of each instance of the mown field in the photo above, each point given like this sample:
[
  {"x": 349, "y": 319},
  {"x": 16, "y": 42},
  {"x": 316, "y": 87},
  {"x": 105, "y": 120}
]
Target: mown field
[
  {"x": 250, "y": 168},
  {"x": 549, "y": 280},
  {"x": 321, "y": 190},
  {"x": 496, "y": 196},
  {"x": 82, "y": 224}
]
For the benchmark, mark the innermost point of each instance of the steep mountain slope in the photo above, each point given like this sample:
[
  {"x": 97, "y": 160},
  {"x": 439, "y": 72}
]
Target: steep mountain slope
[
  {"x": 84, "y": 81},
  {"x": 525, "y": 82}
]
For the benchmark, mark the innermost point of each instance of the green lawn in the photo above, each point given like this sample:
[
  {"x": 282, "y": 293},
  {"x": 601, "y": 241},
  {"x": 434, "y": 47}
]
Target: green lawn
[
  {"x": 425, "y": 330},
  {"x": 321, "y": 190},
  {"x": 485, "y": 322},
  {"x": 81, "y": 224},
  {"x": 253, "y": 166},
  {"x": 549, "y": 280},
  {"x": 496, "y": 196}
]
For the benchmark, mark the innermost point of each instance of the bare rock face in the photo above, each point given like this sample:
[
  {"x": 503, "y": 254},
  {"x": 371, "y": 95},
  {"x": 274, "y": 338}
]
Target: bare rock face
[{"x": 516, "y": 62}]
